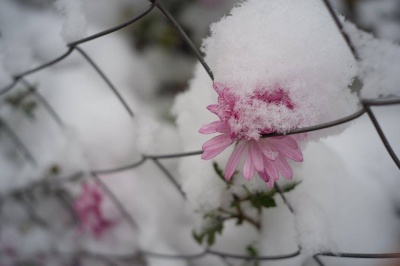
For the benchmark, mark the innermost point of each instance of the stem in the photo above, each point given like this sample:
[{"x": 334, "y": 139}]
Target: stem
[
  {"x": 240, "y": 215},
  {"x": 249, "y": 195},
  {"x": 243, "y": 216}
]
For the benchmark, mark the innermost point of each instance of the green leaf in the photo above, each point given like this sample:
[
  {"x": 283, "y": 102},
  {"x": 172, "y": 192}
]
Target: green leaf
[
  {"x": 210, "y": 234},
  {"x": 290, "y": 187},
  {"x": 262, "y": 200},
  {"x": 29, "y": 108},
  {"x": 218, "y": 171},
  {"x": 220, "y": 174},
  {"x": 252, "y": 251},
  {"x": 197, "y": 237},
  {"x": 211, "y": 238},
  {"x": 54, "y": 170},
  {"x": 210, "y": 215},
  {"x": 234, "y": 204},
  {"x": 267, "y": 202}
]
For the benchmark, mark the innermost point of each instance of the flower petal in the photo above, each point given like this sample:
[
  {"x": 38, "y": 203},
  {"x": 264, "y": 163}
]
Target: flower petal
[
  {"x": 283, "y": 167},
  {"x": 213, "y": 108},
  {"x": 234, "y": 159},
  {"x": 215, "y": 146},
  {"x": 209, "y": 154},
  {"x": 256, "y": 155},
  {"x": 268, "y": 151},
  {"x": 271, "y": 182},
  {"x": 264, "y": 176},
  {"x": 248, "y": 167},
  {"x": 290, "y": 141},
  {"x": 270, "y": 169},
  {"x": 218, "y": 87},
  {"x": 216, "y": 126},
  {"x": 217, "y": 142},
  {"x": 287, "y": 150}
]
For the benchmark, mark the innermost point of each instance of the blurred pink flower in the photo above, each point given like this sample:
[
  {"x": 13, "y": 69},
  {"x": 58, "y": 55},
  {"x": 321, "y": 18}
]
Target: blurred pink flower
[
  {"x": 266, "y": 156},
  {"x": 88, "y": 208}
]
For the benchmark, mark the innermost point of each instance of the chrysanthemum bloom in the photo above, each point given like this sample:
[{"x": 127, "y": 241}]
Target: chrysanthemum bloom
[
  {"x": 241, "y": 122},
  {"x": 88, "y": 208}
]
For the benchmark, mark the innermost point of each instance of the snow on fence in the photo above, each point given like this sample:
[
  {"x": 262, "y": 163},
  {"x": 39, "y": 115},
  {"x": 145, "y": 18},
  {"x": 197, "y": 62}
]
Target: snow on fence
[{"x": 23, "y": 196}]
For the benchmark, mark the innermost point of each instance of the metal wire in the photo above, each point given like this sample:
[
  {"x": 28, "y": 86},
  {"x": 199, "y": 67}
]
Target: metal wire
[
  {"x": 42, "y": 100},
  {"x": 18, "y": 142},
  {"x": 106, "y": 79},
  {"x": 340, "y": 27},
  {"x": 366, "y": 105}
]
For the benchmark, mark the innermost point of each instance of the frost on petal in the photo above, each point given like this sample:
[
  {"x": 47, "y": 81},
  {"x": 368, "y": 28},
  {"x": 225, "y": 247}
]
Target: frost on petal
[
  {"x": 213, "y": 108},
  {"x": 234, "y": 159},
  {"x": 218, "y": 87},
  {"x": 269, "y": 152},
  {"x": 215, "y": 146}
]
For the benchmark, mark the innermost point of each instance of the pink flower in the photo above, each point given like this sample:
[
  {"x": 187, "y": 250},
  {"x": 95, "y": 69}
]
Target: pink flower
[
  {"x": 266, "y": 156},
  {"x": 88, "y": 208}
]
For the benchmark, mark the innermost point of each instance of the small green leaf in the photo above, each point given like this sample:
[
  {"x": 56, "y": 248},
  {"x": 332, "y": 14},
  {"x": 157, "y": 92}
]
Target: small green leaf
[
  {"x": 218, "y": 171},
  {"x": 220, "y": 174},
  {"x": 29, "y": 108},
  {"x": 234, "y": 204},
  {"x": 267, "y": 202},
  {"x": 252, "y": 251},
  {"x": 290, "y": 187},
  {"x": 210, "y": 234},
  {"x": 197, "y": 237},
  {"x": 262, "y": 200},
  {"x": 211, "y": 238},
  {"x": 54, "y": 170}
]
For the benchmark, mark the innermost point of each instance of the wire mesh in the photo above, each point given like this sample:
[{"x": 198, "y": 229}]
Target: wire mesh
[{"x": 22, "y": 194}]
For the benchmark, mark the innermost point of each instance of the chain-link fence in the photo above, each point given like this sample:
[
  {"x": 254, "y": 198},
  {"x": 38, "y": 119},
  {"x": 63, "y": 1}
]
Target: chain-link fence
[{"x": 24, "y": 196}]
